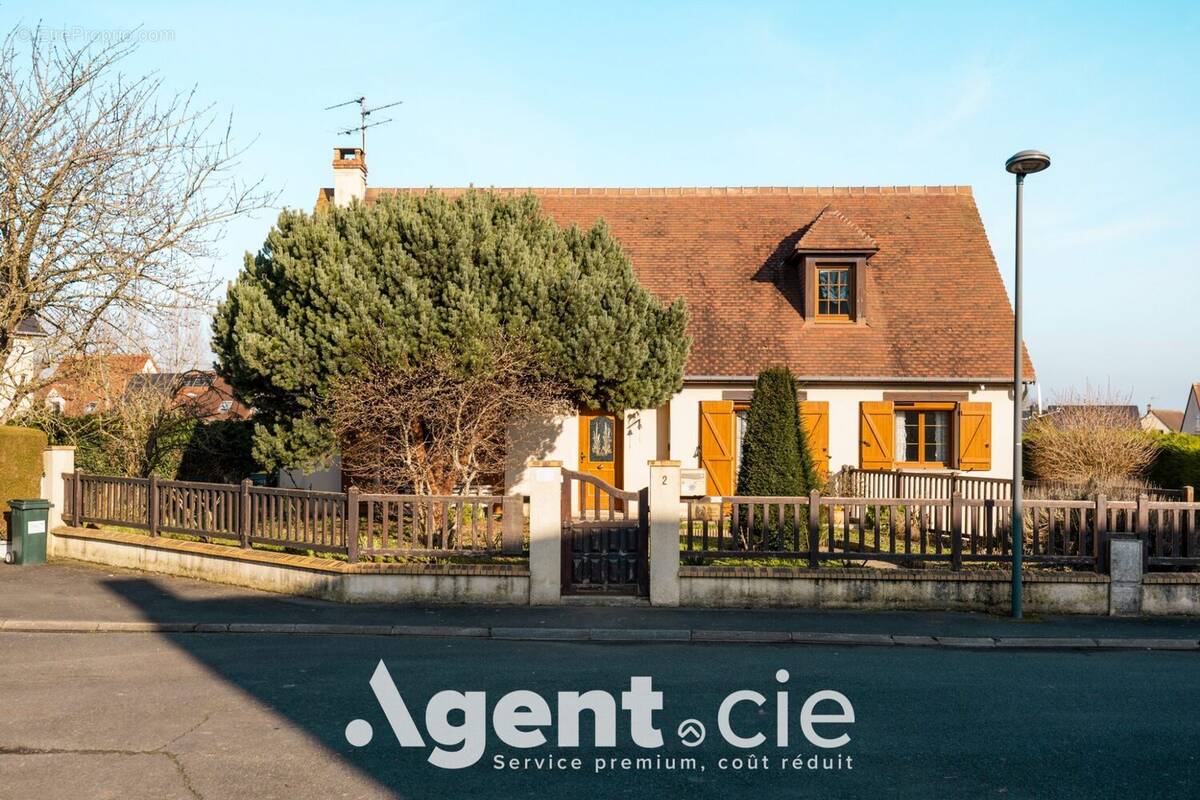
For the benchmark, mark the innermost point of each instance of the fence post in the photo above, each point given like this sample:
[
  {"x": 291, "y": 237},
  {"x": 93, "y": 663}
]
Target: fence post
[
  {"x": 1100, "y": 541},
  {"x": 78, "y": 488},
  {"x": 511, "y": 520},
  {"x": 814, "y": 528},
  {"x": 545, "y": 532},
  {"x": 1187, "y": 521},
  {"x": 663, "y": 499},
  {"x": 1143, "y": 523},
  {"x": 152, "y": 505},
  {"x": 244, "y": 514},
  {"x": 956, "y": 530},
  {"x": 352, "y": 509}
]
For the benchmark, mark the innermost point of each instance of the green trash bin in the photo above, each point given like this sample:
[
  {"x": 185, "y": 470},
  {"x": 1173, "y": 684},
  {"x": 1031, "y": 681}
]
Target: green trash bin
[{"x": 27, "y": 531}]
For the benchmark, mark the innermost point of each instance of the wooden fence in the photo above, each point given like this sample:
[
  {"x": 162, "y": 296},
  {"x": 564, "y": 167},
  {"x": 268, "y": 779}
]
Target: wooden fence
[
  {"x": 957, "y": 530},
  {"x": 943, "y": 485},
  {"x": 352, "y": 523}
]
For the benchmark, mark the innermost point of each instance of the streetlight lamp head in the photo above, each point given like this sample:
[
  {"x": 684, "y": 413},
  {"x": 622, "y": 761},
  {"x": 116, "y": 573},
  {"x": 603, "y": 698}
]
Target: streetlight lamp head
[{"x": 1027, "y": 162}]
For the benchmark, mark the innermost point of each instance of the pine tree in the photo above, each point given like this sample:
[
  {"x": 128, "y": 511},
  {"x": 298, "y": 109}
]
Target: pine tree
[
  {"x": 417, "y": 274},
  {"x": 775, "y": 457}
]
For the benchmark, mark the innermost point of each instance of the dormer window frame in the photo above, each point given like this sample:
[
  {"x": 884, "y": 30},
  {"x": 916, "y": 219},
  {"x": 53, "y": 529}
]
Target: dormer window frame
[{"x": 812, "y": 263}]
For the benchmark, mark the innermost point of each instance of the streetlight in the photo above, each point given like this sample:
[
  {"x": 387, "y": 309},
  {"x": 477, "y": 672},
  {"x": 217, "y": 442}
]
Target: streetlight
[{"x": 1023, "y": 163}]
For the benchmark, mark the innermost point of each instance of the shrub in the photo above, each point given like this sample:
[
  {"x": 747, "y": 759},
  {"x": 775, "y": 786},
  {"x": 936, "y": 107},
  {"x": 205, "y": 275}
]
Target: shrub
[
  {"x": 219, "y": 451},
  {"x": 775, "y": 455},
  {"x": 1178, "y": 461},
  {"x": 1088, "y": 441},
  {"x": 20, "y": 469}
]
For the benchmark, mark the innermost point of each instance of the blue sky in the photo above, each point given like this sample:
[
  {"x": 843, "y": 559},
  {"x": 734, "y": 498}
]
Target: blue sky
[{"x": 793, "y": 93}]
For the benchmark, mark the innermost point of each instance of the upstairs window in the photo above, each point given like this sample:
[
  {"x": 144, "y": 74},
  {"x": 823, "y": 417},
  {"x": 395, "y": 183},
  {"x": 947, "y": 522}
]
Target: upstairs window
[{"x": 834, "y": 293}]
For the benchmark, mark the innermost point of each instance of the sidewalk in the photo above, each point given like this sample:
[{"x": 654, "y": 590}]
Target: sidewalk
[{"x": 77, "y": 597}]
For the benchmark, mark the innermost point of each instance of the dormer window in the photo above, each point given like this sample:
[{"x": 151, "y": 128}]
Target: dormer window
[
  {"x": 835, "y": 292},
  {"x": 832, "y": 256}
]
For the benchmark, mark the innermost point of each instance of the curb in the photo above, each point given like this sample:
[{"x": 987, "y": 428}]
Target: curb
[{"x": 607, "y": 635}]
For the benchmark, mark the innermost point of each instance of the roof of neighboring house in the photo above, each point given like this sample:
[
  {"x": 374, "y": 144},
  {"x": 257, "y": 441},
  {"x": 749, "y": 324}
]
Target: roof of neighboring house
[
  {"x": 1173, "y": 420},
  {"x": 1118, "y": 412},
  {"x": 204, "y": 392},
  {"x": 935, "y": 304},
  {"x": 93, "y": 381},
  {"x": 30, "y": 326}
]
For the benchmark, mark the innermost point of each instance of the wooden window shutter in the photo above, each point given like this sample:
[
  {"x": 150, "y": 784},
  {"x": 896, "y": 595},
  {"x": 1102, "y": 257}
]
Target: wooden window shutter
[
  {"x": 877, "y": 435},
  {"x": 974, "y": 436},
  {"x": 814, "y": 416},
  {"x": 716, "y": 446}
]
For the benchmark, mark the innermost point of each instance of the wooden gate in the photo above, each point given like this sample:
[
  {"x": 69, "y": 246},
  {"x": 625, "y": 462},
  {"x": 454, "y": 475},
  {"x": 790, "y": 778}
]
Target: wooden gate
[{"x": 605, "y": 536}]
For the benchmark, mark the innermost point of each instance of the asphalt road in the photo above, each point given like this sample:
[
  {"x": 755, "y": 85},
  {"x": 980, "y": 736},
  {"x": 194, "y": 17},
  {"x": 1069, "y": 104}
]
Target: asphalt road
[{"x": 241, "y": 715}]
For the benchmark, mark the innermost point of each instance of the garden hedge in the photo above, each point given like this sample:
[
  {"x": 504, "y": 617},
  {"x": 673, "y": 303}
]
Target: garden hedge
[
  {"x": 1178, "y": 461},
  {"x": 20, "y": 467}
]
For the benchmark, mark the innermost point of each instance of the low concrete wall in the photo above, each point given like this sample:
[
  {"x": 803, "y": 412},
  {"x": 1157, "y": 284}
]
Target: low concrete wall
[
  {"x": 748, "y": 587},
  {"x": 327, "y": 579},
  {"x": 1175, "y": 593}
]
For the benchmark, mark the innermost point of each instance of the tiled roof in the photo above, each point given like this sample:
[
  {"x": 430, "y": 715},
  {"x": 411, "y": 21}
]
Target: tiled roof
[
  {"x": 94, "y": 380},
  {"x": 831, "y": 230},
  {"x": 30, "y": 326},
  {"x": 936, "y": 306},
  {"x": 1170, "y": 418},
  {"x": 203, "y": 392}
]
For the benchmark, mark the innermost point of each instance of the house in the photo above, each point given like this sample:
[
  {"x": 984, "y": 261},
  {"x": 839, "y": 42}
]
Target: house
[
  {"x": 1161, "y": 420},
  {"x": 202, "y": 392},
  {"x": 25, "y": 363},
  {"x": 1191, "y": 412},
  {"x": 885, "y": 302},
  {"x": 1104, "y": 414},
  {"x": 86, "y": 384}
]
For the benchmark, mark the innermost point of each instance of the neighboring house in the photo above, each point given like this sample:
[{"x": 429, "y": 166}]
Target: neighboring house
[
  {"x": 25, "y": 363},
  {"x": 885, "y": 302},
  {"x": 1115, "y": 415},
  {"x": 1162, "y": 420},
  {"x": 202, "y": 392},
  {"x": 1191, "y": 413},
  {"x": 89, "y": 384}
]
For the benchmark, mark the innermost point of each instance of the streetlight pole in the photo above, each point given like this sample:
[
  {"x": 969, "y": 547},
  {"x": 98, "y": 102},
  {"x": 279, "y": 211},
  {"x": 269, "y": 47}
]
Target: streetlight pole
[
  {"x": 1023, "y": 163},
  {"x": 1018, "y": 519}
]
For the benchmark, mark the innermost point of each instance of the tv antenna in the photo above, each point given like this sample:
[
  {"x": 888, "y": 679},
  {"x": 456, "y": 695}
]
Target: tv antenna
[{"x": 363, "y": 113}]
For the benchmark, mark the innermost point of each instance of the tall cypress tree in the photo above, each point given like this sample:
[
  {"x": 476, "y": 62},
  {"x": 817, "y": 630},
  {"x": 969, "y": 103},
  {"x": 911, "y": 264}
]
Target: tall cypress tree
[
  {"x": 416, "y": 274},
  {"x": 775, "y": 456}
]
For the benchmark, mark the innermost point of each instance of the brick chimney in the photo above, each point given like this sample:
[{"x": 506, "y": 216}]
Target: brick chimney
[{"x": 349, "y": 175}]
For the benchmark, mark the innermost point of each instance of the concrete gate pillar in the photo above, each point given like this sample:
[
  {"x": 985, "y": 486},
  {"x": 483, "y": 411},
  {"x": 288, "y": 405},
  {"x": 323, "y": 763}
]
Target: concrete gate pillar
[
  {"x": 664, "y": 533},
  {"x": 56, "y": 460},
  {"x": 545, "y": 533}
]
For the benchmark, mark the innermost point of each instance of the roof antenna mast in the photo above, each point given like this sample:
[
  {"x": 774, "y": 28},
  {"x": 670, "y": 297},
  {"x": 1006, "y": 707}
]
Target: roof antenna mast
[{"x": 363, "y": 113}]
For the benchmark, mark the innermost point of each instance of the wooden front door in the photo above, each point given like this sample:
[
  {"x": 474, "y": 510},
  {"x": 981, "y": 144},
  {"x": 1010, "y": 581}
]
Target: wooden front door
[{"x": 600, "y": 448}]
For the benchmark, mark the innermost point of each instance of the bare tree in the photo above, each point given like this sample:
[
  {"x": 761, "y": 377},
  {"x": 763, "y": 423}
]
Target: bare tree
[
  {"x": 438, "y": 426},
  {"x": 112, "y": 192},
  {"x": 133, "y": 424},
  {"x": 1090, "y": 438}
]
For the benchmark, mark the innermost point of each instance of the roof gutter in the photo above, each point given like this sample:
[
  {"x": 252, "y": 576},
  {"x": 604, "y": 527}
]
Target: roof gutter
[{"x": 851, "y": 379}]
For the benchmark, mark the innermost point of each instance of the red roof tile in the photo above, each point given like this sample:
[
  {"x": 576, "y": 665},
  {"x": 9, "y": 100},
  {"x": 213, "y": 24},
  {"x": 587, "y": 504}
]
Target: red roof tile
[
  {"x": 831, "y": 230},
  {"x": 936, "y": 306}
]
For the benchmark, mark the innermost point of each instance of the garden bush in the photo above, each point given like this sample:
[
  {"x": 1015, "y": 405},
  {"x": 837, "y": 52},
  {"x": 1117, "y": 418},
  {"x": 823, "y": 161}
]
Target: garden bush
[
  {"x": 1177, "y": 463},
  {"x": 20, "y": 468}
]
